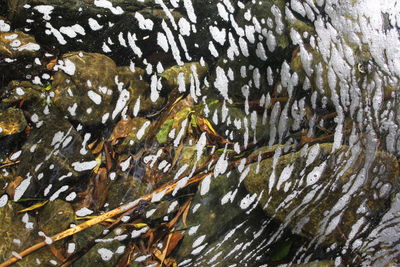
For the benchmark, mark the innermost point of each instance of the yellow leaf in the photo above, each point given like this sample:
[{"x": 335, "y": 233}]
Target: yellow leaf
[
  {"x": 140, "y": 225},
  {"x": 34, "y": 207},
  {"x": 207, "y": 123},
  {"x": 98, "y": 160}
]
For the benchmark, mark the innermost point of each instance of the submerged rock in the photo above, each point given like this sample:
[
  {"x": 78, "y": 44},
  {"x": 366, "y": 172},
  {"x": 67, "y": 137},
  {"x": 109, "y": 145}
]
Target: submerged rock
[
  {"x": 19, "y": 56},
  {"x": 189, "y": 74},
  {"x": 23, "y": 93},
  {"x": 323, "y": 193},
  {"x": 212, "y": 210},
  {"x": 105, "y": 252},
  {"x": 140, "y": 101},
  {"x": 53, "y": 157},
  {"x": 12, "y": 121},
  {"x": 85, "y": 88},
  {"x": 56, "y": 216},
  {"x": 18, "y": 232},
  {"x": 125, "y": 188},
  {"x": 14, "y": 45}
]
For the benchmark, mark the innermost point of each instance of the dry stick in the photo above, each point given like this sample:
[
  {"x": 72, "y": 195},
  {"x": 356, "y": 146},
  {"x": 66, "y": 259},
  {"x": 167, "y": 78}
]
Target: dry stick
[{"x": 8, "y": 164}]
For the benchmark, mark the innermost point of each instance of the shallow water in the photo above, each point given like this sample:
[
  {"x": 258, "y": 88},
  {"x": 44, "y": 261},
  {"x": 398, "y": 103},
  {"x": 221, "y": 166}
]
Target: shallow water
[{"x": 233, "y": 133}]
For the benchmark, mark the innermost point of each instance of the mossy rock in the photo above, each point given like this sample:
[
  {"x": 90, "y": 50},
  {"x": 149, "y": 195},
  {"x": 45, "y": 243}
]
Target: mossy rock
[
  {"x": 12, "y": 121},
  {"x": 85, "y": 88},
  {"x": 318, "y": 192},
  {"x": 20, "y": 231}
]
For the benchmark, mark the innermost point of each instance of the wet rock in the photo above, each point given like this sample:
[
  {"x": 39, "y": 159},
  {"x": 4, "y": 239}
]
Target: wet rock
[
  {"x": 12, "y": 121},
  {"x": 140, "y": 101},
  {"x": 189, "y": 74},
  {"x": 133, "y": 131},
  {"x": 19, "y": 56},
  {"x": 275, "y": 31},
  {"x": 244, "y": 76},
  {"x": 23, "y": 93},
  {"x": 18, "y": 232},
  {"x": 238, "y": 122},
  {"x": 322, "y": 194},
  {"x": 14, "y": 45},
  {"x": 117, "y": 28},
  {"x": 53, "y": 157},
  {"x": 84, "y": 87},
  {"x": 315, "y": 264},
  {"x": 105, "y": 252},
  {"x": 125, "y": 188},
  {"x": 130, "y": 74},
  {"x": 56, "y": 216},
  {"x": 161, "y": 210},
  {"x": 244, "y": 244},
  {"x": 209, "y": 215}
]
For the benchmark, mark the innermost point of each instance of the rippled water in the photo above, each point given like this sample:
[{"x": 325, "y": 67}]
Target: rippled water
[{"x": 233, "y": 133}]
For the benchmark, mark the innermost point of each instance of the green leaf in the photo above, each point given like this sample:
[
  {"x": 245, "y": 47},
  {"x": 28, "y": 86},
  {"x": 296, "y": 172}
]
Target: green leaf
[
  {"x": 193, "y": 120},
  {"x": 162, "y": 135},
  {"x": 281, "y": 250}
]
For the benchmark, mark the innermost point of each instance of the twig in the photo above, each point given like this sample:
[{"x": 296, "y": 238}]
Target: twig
[{"x": 8, "y": 164}]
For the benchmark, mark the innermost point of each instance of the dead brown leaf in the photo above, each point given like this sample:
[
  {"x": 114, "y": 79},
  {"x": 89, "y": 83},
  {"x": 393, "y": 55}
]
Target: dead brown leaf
[
  {"x": 97, "y": 191},
  {"x": 121, "y": 130},
  {"x": 51, "y": 64},
  {"x": 174, "y": 240},
  {"x": 96, "y": 147},
  {"x": 57, "y": 253},
  {"x": 178, "y": 215},
  {"x": 205, "y": 126},
  {"x": 13, "y": 185}
]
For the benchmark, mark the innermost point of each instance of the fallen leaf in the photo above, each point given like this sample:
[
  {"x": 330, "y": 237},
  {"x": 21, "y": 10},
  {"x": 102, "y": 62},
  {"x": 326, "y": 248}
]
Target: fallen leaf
[
  {"x": 57, "y": 253},
  {"x": 178, "y": 152},
  {"x": 176, "y": 237},
  {"x": 96, "y": 147},
  {"x": 98, "y": 160},
  {"x": 34, "y": 207},
  {"x": 185, "y": 214},
  {"x": 51, "y": 64},
  {"x": 108, "y": 155},
  {"x": 121, "y": 130},
  {"x": 13, "y": 185},
  {"x": 180, "y": 211},
  {"x": 140, "y": 225},
  {"x": 164, "y": 253},
  {"x": 162, "y": 135},
  {"x": 101, "y": 184},
  {"x": 205, "y": 126}
]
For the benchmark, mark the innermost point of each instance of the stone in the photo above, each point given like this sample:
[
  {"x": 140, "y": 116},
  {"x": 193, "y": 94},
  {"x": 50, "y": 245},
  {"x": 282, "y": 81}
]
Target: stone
[
  {"x": 84, "y": 87},
  {"x": 321, "y": 194},
  {"x": 53, "y": 158},
  {"x": 12, "y": 121}
]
